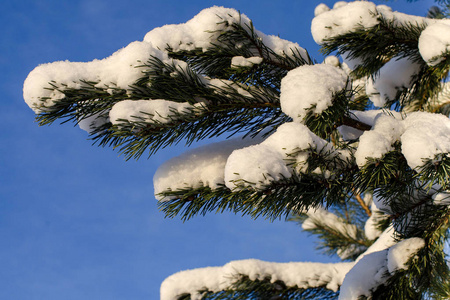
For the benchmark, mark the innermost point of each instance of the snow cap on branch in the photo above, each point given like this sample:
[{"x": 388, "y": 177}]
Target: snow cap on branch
[
  {"x": 200, "y": 167},
  {"x": 379, "y": 140},
  {"x": 310, "y": 88},
  {"x": 434, "y": 42},
  {"x": 202, "y": 31},
  {"x": 367, "y": 117},
  {"x": 150, "y": 111},
  {"x": 241, "y": 61},
  {"x": 426, "y": 136},
  {"x": 326, "y": 218},
  {"x": 198, "y": 32},
  {"x": 422, "y": 135},
  {"x": 400, "y": 253},
  {"x": 342, "y": 19},
  {"x": 393, "y": 77},
  {"x": 349, "y": 17},
  {"x": 365, "y": 276},
  {"x": 302, "y": 275},
  {"x": 120, "y": 70},
  {"x": 272, "y": 160}
]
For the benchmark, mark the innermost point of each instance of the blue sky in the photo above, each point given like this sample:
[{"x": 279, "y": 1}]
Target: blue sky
[{"x": 79, "y": 222}]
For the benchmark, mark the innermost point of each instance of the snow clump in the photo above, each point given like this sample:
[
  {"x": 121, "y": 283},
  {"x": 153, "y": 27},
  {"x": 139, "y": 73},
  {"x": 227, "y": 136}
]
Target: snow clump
[
  {"x": 240, "y": 61},
  {"x": 203, "y": 30},
  {"x": 358, "y": 15},
  {"x": 379, "y": 140},
  {"x": 400, "y": 254},
  {"x": 149, "y": 111},
  {"x": 434, "y": 42},
  {"x": 200, "y": 167},
  {"x": 343, "y": 18},
  {"x": 393, "y": 77},
  {"x": 294, "y": 274},
  {"x": 356, "y": 283},
  {"x": 422, "y": 135},
  {"x": 281, "y": 154},
  {"x": 310, "y": 88},
  {"x": 120, "y": 70},
  {"x": 442, "y": 198},
  {"x": 367, "y": 117}
]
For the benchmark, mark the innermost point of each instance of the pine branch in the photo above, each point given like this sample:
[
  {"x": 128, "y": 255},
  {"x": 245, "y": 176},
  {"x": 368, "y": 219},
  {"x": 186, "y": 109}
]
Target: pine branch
[
  {"x": 242, "y": 40},
  {"x": 245, "y": 288},
  {"x": 426, "y": 270},
  {"x": 279, "y": 199},
  {"x": 377, "y": 45}
]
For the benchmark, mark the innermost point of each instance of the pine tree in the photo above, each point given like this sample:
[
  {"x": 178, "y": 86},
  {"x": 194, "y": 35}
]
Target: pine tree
[{"x": 355, "y": 149}]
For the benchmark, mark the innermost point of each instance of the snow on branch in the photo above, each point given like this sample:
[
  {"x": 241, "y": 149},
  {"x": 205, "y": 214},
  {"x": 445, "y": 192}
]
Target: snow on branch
[
  {"x": 348, "y": 17},
  {"x": 302, "y": 275},
  {"x": 45, "y": 85},
  {"x": 366, "y": 117},
  {"x": 374, "y": 268},
  {"x": 200, "y": 167},
  {"x": 203, "y": 31},
  {"x": 422, "y": 135},
  {"x": 280, "y": 156},
  {"x": 395, "y": 76},
  {"x": 239, "y": 163},
  {"x": 310, "y": 88},
  {"x": 433, "y": 45},
  {"x": 322, "y": 219}
]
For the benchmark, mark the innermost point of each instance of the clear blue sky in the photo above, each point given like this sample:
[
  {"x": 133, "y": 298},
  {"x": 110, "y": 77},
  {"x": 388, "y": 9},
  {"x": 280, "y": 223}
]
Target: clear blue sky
[{"x": 79, "y": 222}]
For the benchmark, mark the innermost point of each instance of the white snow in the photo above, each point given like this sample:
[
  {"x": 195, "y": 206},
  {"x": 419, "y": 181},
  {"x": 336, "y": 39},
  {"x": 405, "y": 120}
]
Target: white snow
[
  {"x": 322, "y": 218},
  {"x": 205, "y": 27},
  {"x": 379, "y": 140},
  {"x": 371, "y": 268},
  {"x": 293, "y": 274},
  {"x": 442, "y": 198},
  {"x": 367, "y": 117},
  {"x": 124, "y": 67},
  {"x": 343, "y": 18},
  {"x": 228, "y": 87},
  {"x": 378, "y": 263},
  {"x": 348, "y": 17},
  {"x": 423, "y": 136},
  {"x": 191, "y": 282},
  {"x": 400, "y": 253},
  {"x": 200, "y": 167},
  {"x": 120, "y": 70},
  {"x": 426, "y": 136},
  {"x": 368, "y": 273},
  {"x": 198, "y": 32},
  {"x": 259, "y": 165},
  {"x": 381, "y": 205},
  {"x": 91, "y": 123},
  {"x": 392, "y": 77},
  {"x": 385, "y": 240},
  {"x": 434, "y": 42},
  {"x": 321, "y": 8},
  {"x": 371, "y": 229},
  {"x": 152, "y": 111},
  {"x": 310, "y": 87},
  {"x": 332, "y": 60},
  {"x": 241, "y": 61}
]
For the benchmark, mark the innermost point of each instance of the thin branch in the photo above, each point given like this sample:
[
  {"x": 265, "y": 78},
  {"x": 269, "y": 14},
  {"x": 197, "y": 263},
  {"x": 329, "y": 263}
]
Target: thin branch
[
  {"x": 347, "y": 121},
  {"x": 363, "y": 204}
]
